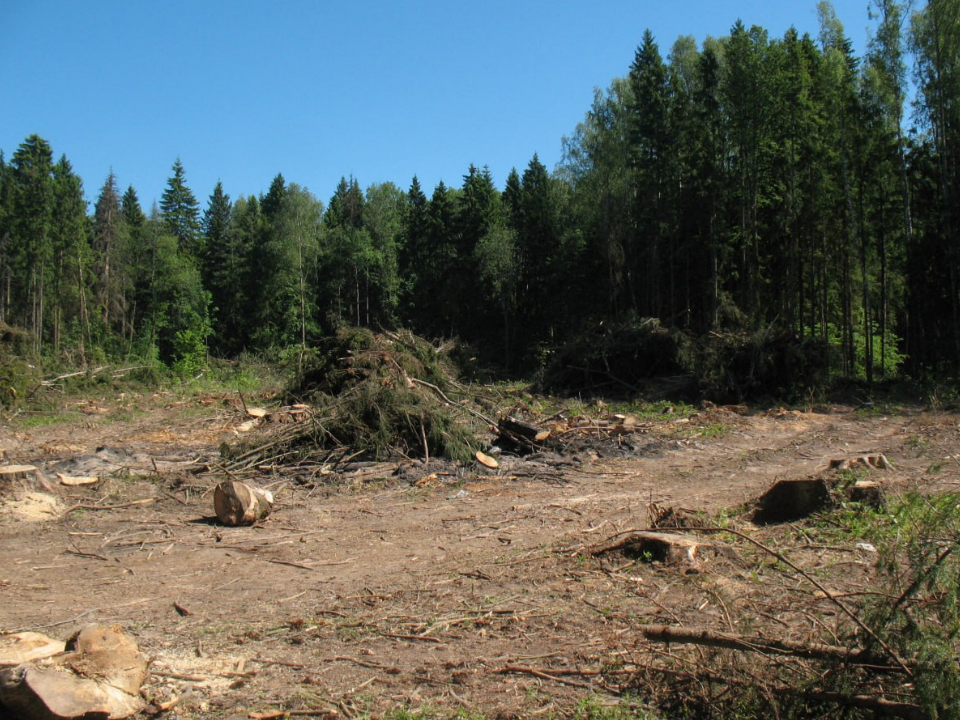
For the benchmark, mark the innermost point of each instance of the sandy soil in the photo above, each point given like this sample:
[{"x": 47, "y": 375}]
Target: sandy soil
[{"x": 467, "y": 591}]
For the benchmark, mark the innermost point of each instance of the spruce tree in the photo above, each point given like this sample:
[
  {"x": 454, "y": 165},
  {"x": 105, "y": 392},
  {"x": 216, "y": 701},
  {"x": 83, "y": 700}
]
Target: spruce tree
[
  {"x": 30, "y": 247},
  {"x": 181, "y": 212}
]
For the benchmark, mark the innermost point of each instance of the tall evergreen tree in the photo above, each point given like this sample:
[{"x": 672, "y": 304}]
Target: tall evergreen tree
[
  {"x": 225, "y": 272},
  {"x": 181, "y": 212},
  {"x": 413, "y": 255},
  {"x": 650, "y": 155},
  {"x": 30, "y": 247},
  {"x": 68, "y": 230},
  {"x": 108, "y": 243}
]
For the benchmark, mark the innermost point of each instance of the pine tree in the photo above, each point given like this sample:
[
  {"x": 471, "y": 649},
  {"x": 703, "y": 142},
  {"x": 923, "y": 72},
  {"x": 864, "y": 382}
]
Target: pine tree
[
  {"x": 224, "y": 272},
  {"x": 108, "y": 243},
  {"x": 30, "y": 248},
  {"x": 413, "y": 254},
  {"x": 650, "y": 154},
  {"x": 181, "y": 212},
  {"x": 68, "y": 231}
]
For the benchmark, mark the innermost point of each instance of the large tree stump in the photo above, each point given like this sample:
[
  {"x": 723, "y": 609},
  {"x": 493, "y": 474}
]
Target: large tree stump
[
  {"x": 790, "y": 500},
  {"x": 237, "y": 503},
  {"x": 99, "y": 677}
]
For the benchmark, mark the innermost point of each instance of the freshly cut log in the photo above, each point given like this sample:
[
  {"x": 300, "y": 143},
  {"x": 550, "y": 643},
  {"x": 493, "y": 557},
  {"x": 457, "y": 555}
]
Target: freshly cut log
[
  {"x": 237, "y": 503},
  {"x": 77, "y": 480},
  {"x": 520, "y": 433}
]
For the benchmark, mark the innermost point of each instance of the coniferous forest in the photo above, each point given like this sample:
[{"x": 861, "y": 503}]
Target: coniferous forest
[{"x": 747, "y": 184}]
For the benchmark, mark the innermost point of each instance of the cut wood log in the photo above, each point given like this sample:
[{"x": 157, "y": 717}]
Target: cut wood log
[
  {"x": 256, "y": 412},
  {"x": 519, "y": 433},
  {"x": 237, "y": 503},
  {"x": 77, "y": 480},
  {"x": 26, "y": 647}
]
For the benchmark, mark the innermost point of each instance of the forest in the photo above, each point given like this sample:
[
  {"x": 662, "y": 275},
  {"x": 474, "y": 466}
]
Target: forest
[{"x": 747, "y": 185}]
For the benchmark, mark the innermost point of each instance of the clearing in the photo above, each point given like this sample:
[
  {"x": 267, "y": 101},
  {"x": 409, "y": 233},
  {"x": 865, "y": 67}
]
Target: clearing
[{"x": 436, "y": 587}]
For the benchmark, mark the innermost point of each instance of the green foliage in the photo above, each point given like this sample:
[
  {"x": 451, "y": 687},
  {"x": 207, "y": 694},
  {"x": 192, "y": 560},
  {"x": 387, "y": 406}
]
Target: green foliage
[
  {"x": 181, "y": 212},
  {"x": 918, "y": 539},
  {"x": 741, "y": 366},
  {"x": 190, "y": 347},
  {"x": 370, "y": 396},
  {"x": 743, "y": 183},
  {"x": 617, "y": 359}
]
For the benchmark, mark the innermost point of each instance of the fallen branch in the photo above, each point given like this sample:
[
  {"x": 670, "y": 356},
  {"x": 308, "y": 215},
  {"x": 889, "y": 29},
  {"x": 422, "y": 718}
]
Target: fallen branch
[
  {"x": 830, "y": 596},
  {"x": 710, "y": 638},
  {"x": 878, "y": 704},
  {"x": 70, "y": 509},
  {"x": 450, "y": 402},
  {"x": 522, "y": 670}
]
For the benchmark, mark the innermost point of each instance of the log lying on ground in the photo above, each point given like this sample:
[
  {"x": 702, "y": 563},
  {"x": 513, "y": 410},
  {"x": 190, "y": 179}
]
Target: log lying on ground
[
  {"x": 99, "y": 676},
  {"x": 237, "y": 503},
  {"x": 705, "y": 637},
  {"x": 518, "y": 433}
]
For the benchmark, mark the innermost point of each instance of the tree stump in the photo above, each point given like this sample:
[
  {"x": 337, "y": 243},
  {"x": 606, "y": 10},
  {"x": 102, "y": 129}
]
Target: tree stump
[
  {"x": 99, "y": 677},
  {"x": 667, "y": 548},
  {"x": 22, "y": 477},
  {"x": 790, "y": 500}
]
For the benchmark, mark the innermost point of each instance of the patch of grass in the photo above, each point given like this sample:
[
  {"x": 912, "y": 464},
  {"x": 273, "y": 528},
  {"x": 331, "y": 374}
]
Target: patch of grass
[{"x": 33, "y": 420}]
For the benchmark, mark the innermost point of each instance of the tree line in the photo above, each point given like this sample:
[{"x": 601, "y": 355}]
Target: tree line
[{"x": 745, "y": 184}]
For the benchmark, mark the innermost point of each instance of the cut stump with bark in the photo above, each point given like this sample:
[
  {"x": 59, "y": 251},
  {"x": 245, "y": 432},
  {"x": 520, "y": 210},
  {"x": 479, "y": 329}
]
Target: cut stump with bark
[
  {"x": 99, "y": 676},
  {"x": 22, "y": 477},
  {"x": 237, "y": 503},
  {"x": 790, "y": 500},
  {"x": 867, "y": 492}
]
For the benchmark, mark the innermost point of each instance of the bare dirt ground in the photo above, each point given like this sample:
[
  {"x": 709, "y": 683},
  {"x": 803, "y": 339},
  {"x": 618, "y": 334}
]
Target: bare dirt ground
[{"x": 469, "y": 592}]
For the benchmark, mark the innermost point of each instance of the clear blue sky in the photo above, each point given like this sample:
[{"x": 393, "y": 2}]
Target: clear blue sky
[{"x": 320, "y": 89}]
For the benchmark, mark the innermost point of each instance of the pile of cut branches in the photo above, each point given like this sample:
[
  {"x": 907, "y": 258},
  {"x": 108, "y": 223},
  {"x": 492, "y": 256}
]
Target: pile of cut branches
[{"x": 377, "y": 396}]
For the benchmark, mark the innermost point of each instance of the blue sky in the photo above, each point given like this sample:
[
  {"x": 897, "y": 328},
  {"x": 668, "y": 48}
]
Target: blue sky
[{"x": 320, "y": 89}]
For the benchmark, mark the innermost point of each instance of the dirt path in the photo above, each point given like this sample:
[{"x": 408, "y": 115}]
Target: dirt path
[{"x": 453, "y": 595}]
